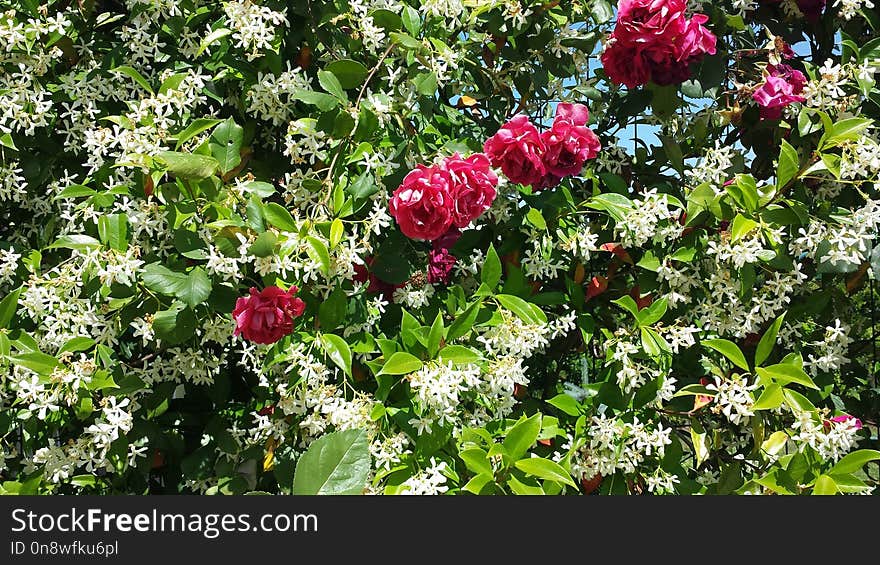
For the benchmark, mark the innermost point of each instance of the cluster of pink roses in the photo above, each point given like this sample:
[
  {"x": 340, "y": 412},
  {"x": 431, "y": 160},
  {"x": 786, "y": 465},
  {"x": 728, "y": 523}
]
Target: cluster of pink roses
[
  {"x": 433, "y": 198},
  {"x": 266, "y": 316},
  {"x": 541, "y": 160},
  {"x": 655, "y": 41},
  {"x": 782, "y": 86}
]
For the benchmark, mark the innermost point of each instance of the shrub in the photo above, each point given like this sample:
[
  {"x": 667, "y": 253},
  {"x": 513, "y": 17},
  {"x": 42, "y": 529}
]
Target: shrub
[{"x": 438, "y": 246}]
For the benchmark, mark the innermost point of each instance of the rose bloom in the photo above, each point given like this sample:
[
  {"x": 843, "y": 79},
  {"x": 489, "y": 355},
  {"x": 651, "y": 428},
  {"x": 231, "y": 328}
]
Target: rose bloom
[
  {"x": 517, "y": 150},
  {"x": 440, "y": 263},
  {"x": 654, "y": 40},
  {"x": 422, "y": 204},
  {"x": 473, "y": 187},
  {"x": 569, "y": 143},
  {"x": 844, "y": 418},
  {"x": 266, "y": 316},
  {"x": 782, "y": 86}
]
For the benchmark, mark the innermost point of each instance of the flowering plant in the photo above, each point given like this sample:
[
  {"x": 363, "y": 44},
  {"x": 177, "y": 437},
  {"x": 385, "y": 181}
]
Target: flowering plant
[{"x": 439, "y": 246}]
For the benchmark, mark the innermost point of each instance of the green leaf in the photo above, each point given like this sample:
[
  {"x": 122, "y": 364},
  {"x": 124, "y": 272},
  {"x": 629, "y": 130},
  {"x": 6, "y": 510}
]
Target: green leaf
[
  {"x": 435, "y": 335},
  {"x": 855, "y": 461},
  {"x": 113, "y": 231},
  {"x": 629, "y": 304},
  {"x": 653, "y": 343},
  {"x": 6, "y": 141},
  {"x": 75, "y": 344},
  {"x": 225, "y": 145},
  {"x": 476, "y": 460},
  {"x": 176, "y": 324},
  {"x": 771, "y": 398},
  {"x": 338, "y": 351},
  {"x": 336, "y": 464},
  {"x": 191, "y": 288},
  {"x": 491, "y": 273},
  {"x": 768, "y": 340},
  {"x": 195, "y": 128},
  {"x": 406, "y": 41},
  {"x": 525, "y": 311},
  {"x": 349, "y": 73},
  {"x": 535, "y": 218},
  {"x": 215, "y": 35},
  {"x": 844, "y": 130},
  {"x": 425, "y": 83},
  {"x": 8, "y": 306},
  {"x": 412, "y": 21},
  {"x": 133, "y": 74},
  {"x": 278, "y": 216},
  {"x": 330, "y": 83},
  {"x": 459, "y": 354},
  {"x": 566, "y": 403},
  {"x": 617, "y": 205},
  {"x": 321, "y": 101},
  {"x": 545, "y": 469},
  {"x": 188, "y": 165},
  {"x": 463, "y": 322},
  {"x": 522, "y": 436},
  {"x": 331, "y": 312},
  {"x": 789, "y": 164},
  {"x": 784, "y": 373},
  {"x": 741, "y": 227},
  {"x": 401, "y": 363},
  {"x": 476, "y": 484},
  {"x": 319, "y": 253},
  {"x": 337, "y": 230},
  {"x": 38, "y": 362},
  {"x": 824, "y": 486},
  {"x": 76, "y": 241},
  {"x": 729, "y": 350},
  {"x": 518, "y": 487},
  {"x": 653, "y": 313}
]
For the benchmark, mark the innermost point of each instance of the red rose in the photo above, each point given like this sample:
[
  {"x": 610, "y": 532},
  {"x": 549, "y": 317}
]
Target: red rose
[
  {"x": 266, "y": 316},
  {"x": 440, "y": 263},
  {"x": 422, "y": 205},
  {"x": 569, "y": 143},
  {"x": 473, "y": 187},
  {"x": 517, "y": 150},
  {"x": 782, "y": 86},
  {"x": 654, "y": 40}
]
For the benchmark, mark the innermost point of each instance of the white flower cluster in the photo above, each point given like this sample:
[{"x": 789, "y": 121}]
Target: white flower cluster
[
  {"x": 614, "y": 445},
  {"x": 713, "y": 167},
  {"x": 428, "y": 482},
  {"x": 849, "y": 8},
  {"x": 269, "y": 99},
  {"x": 832, "y": 440},
  {"x": 733, "y": 398},
  {"x": 253, "y": 25},
  {"x": 90, "y": 450},
  {"x": 830, "y": 353},
  {"x": 827, "y": 90},
  {"x": 439, "y": 387},
  {"x": 642, "y": 222}
]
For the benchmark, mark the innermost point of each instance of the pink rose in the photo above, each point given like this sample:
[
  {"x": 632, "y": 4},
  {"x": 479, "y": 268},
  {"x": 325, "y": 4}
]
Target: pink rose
[
  {"x": 517, "y": 150},
  {"x": 440, "y": 263},
  {"x": 843, "y": 419},
  {"x": 654, "y": 40},
  {"x": 569, "y": 143},
  {"x": 624, "y": 64},
  {"x": 267, "y": 316},
  {"x": 422, "y": 204},
  {"x": 782, "y": 86},
  {"x": 472, "y": 188}
]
